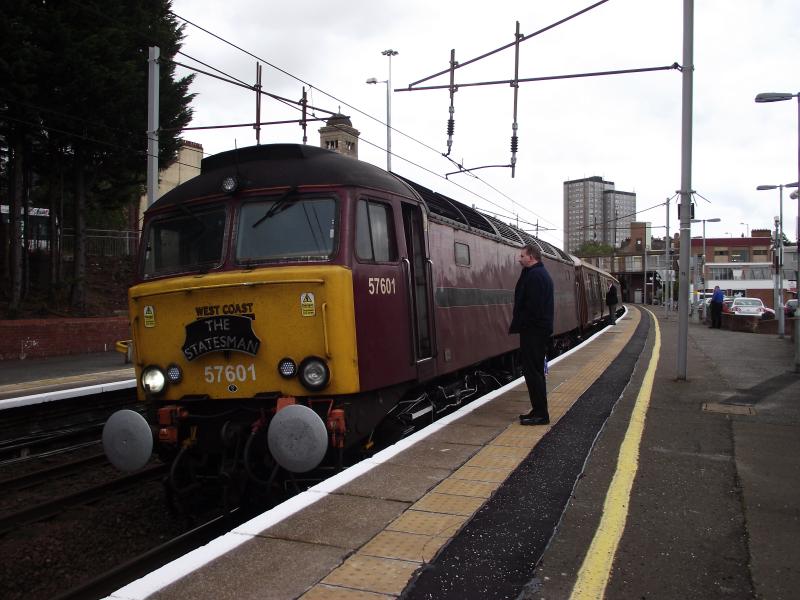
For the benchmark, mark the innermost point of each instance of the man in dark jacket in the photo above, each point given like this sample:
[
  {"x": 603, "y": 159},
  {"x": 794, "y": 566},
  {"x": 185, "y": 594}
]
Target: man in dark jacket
[
  {"x": 717, "y": 299},
  {"x": 611, "y": 302},
  {"x": 533, "y": 321}
]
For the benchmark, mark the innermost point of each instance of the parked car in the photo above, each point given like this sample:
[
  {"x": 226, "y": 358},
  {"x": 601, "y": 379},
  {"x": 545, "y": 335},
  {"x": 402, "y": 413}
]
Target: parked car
[
  {"x": 790, "y": 308},
  {"x": 724, "y": 299},
  {"x": 750, "y": 307},
  {"x": 726, "y": 305}
]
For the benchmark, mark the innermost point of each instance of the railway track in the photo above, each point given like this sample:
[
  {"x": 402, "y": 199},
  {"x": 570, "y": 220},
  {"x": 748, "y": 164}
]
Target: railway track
[
  {"x": 38, "y": 477},
  {"x": 51, "y": 508},
  {"x": 39, "y": 420},
  {"x": 48, "y": 443},
  {"x": 112, "y": 580}
]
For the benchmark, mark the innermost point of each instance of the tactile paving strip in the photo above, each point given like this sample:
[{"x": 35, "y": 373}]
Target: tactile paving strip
[
  {"x": 383, "y": 566},
  {"x": 373, "y": 574}
]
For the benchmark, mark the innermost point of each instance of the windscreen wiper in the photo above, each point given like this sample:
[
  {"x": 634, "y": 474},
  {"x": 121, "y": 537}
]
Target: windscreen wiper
[
  {"x": 279, "y": 205},
  {"x": 189, "y": 212}
]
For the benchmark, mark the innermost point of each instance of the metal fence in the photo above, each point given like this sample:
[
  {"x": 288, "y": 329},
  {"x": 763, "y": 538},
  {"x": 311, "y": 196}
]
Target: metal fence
[{"x": 103, "y": 242}]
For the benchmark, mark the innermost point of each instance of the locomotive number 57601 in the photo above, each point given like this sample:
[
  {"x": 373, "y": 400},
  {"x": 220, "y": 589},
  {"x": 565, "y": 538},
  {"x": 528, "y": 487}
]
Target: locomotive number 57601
[
  {"x": 381, "y": 285},
  {"x": 229, "y": 373}
]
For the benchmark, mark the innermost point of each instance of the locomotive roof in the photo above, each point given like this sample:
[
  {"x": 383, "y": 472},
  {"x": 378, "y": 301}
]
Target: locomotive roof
[
  {"x": 278, "y": 165},
  {"x": 285, "y": 165},
  {"x": 460, "y": 215}
]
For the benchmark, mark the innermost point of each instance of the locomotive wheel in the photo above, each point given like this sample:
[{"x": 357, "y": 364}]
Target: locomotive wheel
[
  {"x": 259, "y": 465},
  {"x": 180, "y": 482}
]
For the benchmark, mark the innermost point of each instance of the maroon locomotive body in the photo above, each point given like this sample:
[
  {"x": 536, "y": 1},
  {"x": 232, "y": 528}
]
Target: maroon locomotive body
[{"x": 292, "y": 276}]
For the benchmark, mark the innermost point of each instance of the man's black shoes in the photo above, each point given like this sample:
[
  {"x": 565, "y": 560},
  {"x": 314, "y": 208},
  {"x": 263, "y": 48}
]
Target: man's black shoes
[{"x": 533, "y": 420}]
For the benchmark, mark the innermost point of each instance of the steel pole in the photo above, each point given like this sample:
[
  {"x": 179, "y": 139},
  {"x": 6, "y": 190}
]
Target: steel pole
[
  {"x": 775, "y": 273},
  {"x": 797, "y": 253},
  {"x": 389, "y": 53},
  {"x": 686, "y": 184},
  {"x": 389, "y": 121},
  {"x": 779, "y": 247},
  {"x": 702, "y": 310},
  {"x": 667, "y": 269},
  {"x": 152, "y": 124}
]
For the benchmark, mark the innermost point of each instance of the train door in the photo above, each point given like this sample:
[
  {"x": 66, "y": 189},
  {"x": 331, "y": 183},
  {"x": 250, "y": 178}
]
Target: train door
[
  {"x": 381, "y": 295},
  {"x": 418, "y": 275}
]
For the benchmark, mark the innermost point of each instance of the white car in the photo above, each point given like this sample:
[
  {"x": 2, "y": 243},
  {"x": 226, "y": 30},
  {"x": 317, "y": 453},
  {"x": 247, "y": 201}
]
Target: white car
[{"x": 748, "y": 306}]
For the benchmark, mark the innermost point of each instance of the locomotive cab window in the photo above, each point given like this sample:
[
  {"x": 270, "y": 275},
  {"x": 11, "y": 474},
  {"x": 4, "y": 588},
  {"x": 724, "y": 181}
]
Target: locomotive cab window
[
  {"x": 462, "y": 254},
  {"x": 287, "y": 227},
  {"x": 190, "y": 239},
  {"x": 375, "y": 232}
]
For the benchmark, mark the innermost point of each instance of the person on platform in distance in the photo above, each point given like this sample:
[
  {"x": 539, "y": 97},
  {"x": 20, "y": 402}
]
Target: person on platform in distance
[
  {"x": 533, "y": 320},
  {"x": 611, "y": 302},
  {"x": 716, "y": 308}
]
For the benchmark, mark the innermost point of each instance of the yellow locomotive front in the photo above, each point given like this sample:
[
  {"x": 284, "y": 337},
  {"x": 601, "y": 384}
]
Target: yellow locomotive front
[{"x": 244, "y": 333}]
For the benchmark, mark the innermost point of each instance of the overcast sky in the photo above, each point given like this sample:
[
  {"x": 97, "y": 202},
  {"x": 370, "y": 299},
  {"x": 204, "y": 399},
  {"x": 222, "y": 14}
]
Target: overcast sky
[{"x": 624, "y": 128}]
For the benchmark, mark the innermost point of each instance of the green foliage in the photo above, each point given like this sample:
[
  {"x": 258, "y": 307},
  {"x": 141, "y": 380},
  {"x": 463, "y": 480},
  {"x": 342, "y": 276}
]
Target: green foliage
[
  {"x": 592, "y": 248},
  {"x": 73, "y": 102},
  {"x": 74, "y": 79}
]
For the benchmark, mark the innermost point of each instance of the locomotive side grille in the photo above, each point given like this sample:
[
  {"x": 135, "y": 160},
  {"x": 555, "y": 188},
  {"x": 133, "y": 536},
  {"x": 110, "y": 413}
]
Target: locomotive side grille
[{"x": 504, "y": 230}]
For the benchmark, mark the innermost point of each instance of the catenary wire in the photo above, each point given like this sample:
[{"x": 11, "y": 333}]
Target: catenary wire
[{"x": 312, "y": 87}]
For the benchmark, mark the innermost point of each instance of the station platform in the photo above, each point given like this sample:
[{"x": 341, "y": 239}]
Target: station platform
[
  {"x": 642, "y": 486},
  {"x": 36, "y": 380}
]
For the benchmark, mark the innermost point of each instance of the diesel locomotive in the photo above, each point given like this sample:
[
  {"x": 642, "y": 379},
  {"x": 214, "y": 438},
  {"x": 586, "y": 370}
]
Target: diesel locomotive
[{"x": 289, "y": 301}]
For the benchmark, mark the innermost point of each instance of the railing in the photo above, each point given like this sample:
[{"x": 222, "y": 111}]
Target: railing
[
  {"x": 103, "y": 242},
  {"x": 632, "y": 263}
]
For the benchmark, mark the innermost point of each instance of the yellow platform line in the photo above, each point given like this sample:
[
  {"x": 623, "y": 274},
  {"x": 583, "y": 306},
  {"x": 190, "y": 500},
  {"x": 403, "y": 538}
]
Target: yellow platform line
[
  {"x": 384, "y": 565},
  {"x": 596, "y": 568}
]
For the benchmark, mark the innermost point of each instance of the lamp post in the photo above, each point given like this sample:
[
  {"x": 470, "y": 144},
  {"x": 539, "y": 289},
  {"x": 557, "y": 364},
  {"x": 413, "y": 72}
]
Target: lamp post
[
  {"x": 704, "y": 221},
  {"x": 747, "y": 225},
  {"x": 388, "y": 120},
  {"x": 778, "y": 97},
  {"x": 390, "y": 53},
  {"x": 668, "y": 269},
  {"x": 779, "y": 250}
]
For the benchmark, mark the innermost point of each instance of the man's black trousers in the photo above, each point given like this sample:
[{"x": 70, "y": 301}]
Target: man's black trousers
[
  {"x": 716, "y": 315},
  {"x": 533, "y": 349}
]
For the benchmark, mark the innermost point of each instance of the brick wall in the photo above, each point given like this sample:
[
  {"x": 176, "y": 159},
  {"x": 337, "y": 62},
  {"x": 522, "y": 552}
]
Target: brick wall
[{"x": 38, "y": 338}]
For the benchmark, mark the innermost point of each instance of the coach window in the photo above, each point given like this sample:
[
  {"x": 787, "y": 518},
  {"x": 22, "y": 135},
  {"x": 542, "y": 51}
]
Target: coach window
[
  {"x": 375, "y": 232},
  {"x": 462, "y": 254}
]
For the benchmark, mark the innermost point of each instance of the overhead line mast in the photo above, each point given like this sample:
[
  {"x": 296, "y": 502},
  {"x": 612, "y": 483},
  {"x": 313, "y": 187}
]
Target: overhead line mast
[{"x": 514, "y": 83}]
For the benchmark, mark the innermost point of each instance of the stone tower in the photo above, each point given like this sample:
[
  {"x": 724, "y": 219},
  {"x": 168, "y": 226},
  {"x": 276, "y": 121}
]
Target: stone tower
[{"x": 340, "y": 136}]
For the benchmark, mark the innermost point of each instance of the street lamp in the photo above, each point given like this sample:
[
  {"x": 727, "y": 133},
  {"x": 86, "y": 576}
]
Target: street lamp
[
  {"x": 388, "y": 120},
  {"x": 704, "y": 221},
  {"x": 390, "y": 53},
  {"x": 779, "y": 248},
  {"x": 747, "y": 226},
  {"x": 778, "y": 97}
]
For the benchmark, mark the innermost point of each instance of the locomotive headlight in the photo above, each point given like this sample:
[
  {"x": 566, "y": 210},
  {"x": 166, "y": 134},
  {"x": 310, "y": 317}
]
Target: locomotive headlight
[
  {"x": 314, "y": 373},
  {"x": 287, "y": 368},
  {"x": 174, "y": 374},
  {"x": 229, "y": 184},
  {"x": 153, "y": 380}
]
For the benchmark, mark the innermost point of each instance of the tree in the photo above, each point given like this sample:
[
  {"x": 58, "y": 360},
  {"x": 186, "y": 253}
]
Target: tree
[
  {"x": 19, "y": 28},
  {"x": 593, "y": 248},
  {"x": 84, "y": 92}
]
